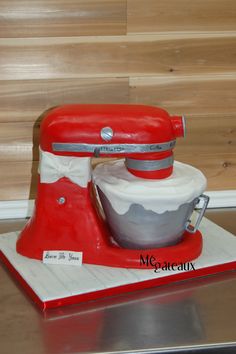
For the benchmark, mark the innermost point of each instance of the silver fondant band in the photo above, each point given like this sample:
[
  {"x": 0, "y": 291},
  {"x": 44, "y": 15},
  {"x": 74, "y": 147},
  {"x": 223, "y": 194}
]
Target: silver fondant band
[
  {"x": 184, "y": 125},
  {"x": 113, "y": 148},
  {"x": 149, "y": 165}
]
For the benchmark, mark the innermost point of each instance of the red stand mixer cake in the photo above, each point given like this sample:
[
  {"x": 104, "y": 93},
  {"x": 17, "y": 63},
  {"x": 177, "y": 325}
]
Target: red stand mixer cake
[{"x": 146, "y": 197}]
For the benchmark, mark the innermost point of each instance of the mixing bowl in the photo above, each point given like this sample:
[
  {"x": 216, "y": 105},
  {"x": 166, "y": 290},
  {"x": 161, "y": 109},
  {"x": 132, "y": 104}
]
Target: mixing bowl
[{"x": 145, "y": 213}]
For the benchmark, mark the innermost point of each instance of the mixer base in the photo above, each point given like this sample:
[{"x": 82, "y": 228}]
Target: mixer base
[{"x": 187, "y": 250}]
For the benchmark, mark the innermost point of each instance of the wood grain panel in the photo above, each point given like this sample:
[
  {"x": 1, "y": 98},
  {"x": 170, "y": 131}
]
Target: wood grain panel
[
  {"x": 25, "y": 100},
  {"x": 205, "y": 134},
  {"x": 181, "y": 15},
  {"x": 16, "y": 141},
  {"x": 193, "y": 95},
  {"x": 116, "y": 56},
  {"x": 220, "y": 169},
  {"x": 209, "y": 135},
  {"x": 25, "y": 18},
  {"x": 19, "y": 179}
]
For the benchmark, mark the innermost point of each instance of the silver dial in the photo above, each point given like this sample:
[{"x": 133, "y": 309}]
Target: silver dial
[{"x": 106, "y": 133}]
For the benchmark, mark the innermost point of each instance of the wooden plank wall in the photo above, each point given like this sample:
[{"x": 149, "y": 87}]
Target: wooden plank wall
[{"x": 177, "y": 54}]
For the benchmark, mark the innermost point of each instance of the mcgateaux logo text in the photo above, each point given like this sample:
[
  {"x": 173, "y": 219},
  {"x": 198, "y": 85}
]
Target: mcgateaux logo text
[{"x": 147, "y": 261}]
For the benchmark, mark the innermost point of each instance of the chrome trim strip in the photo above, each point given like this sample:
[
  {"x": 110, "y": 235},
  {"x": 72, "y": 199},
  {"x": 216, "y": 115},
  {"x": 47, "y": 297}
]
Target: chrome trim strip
[
  {"x": 113, "y": 148},
  {"x": 149, "y": 165}
]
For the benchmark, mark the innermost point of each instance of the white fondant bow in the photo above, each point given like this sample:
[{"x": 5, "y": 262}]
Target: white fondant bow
[{"x": 53, "y": 167}]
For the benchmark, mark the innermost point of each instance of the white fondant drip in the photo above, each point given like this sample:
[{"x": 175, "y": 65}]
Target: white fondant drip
[
  {"x": 53, "y": 167},
  {"x": 123, "y": 189}
]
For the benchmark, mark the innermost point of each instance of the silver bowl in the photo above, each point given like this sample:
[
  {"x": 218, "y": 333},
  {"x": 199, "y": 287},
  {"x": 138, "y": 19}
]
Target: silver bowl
[
  {"x": 145, "y": 214},
  {"x": 139, "y": 228}
]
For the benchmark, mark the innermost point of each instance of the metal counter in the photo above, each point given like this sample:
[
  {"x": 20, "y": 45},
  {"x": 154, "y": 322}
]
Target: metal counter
[{"x": 187, "y": 317}]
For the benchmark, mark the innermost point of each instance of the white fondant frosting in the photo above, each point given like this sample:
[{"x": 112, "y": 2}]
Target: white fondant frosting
[
  {"x": 53, "y": 167},
  {"x": 123, "y": 189}
]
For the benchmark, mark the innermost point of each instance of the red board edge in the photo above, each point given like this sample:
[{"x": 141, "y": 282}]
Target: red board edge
[
  {"x": 30, "y": 292},
  {"x": 75, "y": 299}
]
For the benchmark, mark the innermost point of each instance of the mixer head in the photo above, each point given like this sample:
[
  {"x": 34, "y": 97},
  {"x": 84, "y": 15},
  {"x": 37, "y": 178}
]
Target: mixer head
[{"x": 144, "y": 135}]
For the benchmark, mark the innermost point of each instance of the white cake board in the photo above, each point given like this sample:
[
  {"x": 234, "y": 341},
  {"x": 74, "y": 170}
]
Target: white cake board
[{"x": 57, "y": 285}]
